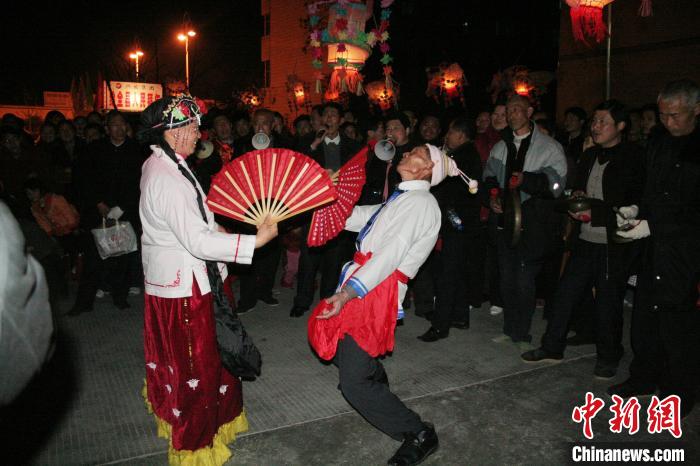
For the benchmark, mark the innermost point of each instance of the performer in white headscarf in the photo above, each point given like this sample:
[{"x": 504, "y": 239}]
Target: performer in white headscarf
[{"x": 356, "y": 325}]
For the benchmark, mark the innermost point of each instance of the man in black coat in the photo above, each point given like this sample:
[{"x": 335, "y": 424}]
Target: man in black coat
[
  {"x": 610, "y": 174},
  {"x": 258, "y": 280},
  {"x": 109, "y": 177},
  {"x": 666, "y": 319},
  {"x": 460, "y": 261},
  {"x": 331, "y": 150}
]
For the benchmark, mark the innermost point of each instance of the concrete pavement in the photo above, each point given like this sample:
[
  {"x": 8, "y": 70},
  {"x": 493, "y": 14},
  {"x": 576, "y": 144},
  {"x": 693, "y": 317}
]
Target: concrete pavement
[{"x": 487, "y": 405}]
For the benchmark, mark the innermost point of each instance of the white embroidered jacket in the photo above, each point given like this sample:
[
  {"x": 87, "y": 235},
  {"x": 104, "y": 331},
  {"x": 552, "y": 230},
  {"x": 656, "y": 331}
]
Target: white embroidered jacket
[
  {"x": 401, "y": 237},
  {"x": 176, "y": 241}
]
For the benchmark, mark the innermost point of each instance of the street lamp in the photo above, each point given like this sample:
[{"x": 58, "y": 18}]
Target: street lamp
[
  {"x": 135, "y": 56},
  {"x": 185, "y": 37}
]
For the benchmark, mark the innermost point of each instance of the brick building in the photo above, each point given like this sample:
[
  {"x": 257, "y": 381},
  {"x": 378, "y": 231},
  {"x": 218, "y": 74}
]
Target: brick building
[
  {"x": 282, "y": 53},
  {"x": 646, "y": 53}
]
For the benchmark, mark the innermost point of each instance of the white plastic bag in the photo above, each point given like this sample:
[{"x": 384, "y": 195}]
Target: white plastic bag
[{"x": 116, "y": 240}]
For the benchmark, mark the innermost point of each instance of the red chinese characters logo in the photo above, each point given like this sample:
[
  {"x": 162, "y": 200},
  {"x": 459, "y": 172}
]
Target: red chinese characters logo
[
  {"x": 661, "y": 415},
  {"x": 665, "y": 415},
  {"x": 587, "y": 412},
  {"x": 625, "y": 415}
]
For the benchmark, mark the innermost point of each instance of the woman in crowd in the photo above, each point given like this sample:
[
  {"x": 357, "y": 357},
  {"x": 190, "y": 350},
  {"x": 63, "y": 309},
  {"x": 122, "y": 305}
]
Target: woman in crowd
[{"x": 197, "y": 403}]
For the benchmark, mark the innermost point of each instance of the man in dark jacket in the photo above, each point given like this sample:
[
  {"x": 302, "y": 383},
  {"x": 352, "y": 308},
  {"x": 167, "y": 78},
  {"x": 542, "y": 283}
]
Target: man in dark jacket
[
  {"x": 110, "y": 176},
  {"x": 610, "y": 174},
  {"x": 459, "y": 263},
  {"x": 331, "y": 150},
  {"x": 531, "y": 166},
  {"x": 666, "y": 320},
  {"x": 258, "y": 280},
  {"x": 381, "y": 176}
]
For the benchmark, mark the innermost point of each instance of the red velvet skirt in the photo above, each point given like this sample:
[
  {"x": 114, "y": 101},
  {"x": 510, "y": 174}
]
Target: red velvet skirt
[
  {"x": 370, "y": 321},
  {"x": 187, "y": 386}
]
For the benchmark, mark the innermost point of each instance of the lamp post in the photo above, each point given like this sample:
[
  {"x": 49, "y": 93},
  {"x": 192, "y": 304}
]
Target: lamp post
[
  {"x": 135, "y": 56},
  {"x": 185, "y": 37}
]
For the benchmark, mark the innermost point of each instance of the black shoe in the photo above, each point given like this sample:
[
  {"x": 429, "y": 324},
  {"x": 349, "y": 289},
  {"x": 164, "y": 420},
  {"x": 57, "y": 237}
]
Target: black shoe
[
  {"x": 78, "y": 310},
  {"x": 540, "y": 355},
  {"x": 121, "y": 305},
  {"x": 460, "y": 324},
  {"x": 605, "y": 371},
  {"x": 243, "y": 308},
  {"x": 578, "y": 340},
  {"x": 399, "y": 322},
  {"x": 628, "y": 389},
  {"x": 433, "y": 334},
  {"x": 269, "y": 300},
  {"x": 297, "y": 311},
  {"x": 416, "y": 447}
]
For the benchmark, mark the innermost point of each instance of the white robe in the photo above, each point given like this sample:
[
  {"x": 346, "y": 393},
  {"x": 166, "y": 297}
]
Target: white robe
[{"x": 401, "y": 237}]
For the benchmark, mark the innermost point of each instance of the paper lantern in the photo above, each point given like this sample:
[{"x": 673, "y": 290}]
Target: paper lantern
[
  {"x": 380, "y": 95},
  {"x": 297, "y": 94},
  {"x": 446, "y": 81},
  {"x": 347, "y": 49},
  {"x": 587, "y": 19},
  {"x": 519, "y": 80},
  {"x": 251, "y": 98}
]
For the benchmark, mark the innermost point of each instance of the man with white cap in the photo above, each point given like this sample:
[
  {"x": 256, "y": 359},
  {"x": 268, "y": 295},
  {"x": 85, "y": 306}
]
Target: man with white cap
[{"x": 356, "y": 325}]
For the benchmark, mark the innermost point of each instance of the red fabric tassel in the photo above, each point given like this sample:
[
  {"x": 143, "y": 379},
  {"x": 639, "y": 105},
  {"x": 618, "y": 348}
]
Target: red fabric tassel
[
  {"x": 587, "y": 23},
  {"x": 645, "y": 9},
  {"x": 345, "y": 80}
]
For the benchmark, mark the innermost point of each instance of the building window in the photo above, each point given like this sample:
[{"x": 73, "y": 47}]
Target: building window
[
  {"x": 266, "y": 63},
  {"x": 266, "y": 25}
]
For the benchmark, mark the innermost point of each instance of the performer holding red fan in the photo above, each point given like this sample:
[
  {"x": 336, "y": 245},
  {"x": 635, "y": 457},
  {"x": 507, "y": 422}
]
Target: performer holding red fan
[{"x": 197, "y": 403}]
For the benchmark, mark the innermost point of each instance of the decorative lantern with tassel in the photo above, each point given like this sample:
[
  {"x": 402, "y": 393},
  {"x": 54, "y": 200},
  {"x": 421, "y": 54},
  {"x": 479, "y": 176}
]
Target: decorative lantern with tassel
[
  {"x": 251, "y": 98},
  {"x": 446, "y": 81},
  {"x": 587, "y": 20},
  {"x": 347, "y": 46},
  {"x": 297, "y": 94},
  {"x": 380, "y": 95}
]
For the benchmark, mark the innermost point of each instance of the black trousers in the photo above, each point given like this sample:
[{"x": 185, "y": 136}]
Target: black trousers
[
  {"x": 423, "y": 288},
  {"x": 329, "y": 258},
  {"x": 665, "y": 346},
  {"x": 360, "y": 382},
  {"x": 475, "y": 265},
  {"x": 493, "y": 277},
  {"x": 258, "y": 279},
  {"x": 93, "y": 265},
  {"x": 591, "y": 266},
  {"x": 450, "y": 286},
  {"x": 518, "y": 274}
]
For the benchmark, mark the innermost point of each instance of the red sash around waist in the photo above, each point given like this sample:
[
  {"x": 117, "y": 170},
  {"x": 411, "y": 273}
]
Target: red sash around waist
[{"x": 370, "y": 320}]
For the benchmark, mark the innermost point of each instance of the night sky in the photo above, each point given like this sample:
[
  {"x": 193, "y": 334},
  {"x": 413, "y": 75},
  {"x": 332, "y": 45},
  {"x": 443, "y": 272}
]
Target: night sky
[{"x": 53, "y": 43}]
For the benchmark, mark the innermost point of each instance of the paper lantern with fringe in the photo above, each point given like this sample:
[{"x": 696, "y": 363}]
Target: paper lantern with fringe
[{"x": 587, "y": 20}]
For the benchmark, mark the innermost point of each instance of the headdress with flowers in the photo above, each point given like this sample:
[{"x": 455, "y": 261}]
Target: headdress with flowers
[{"x": 181, "y": 111}]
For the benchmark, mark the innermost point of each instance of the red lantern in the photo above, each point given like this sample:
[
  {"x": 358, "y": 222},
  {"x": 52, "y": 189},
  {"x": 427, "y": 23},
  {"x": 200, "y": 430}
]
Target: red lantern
[
  {"x": 299, "y": 94},
  {"x": 446, "y": 81},
  {"x": 587, "y": 19},
  {"x": 380, "y": 95}
]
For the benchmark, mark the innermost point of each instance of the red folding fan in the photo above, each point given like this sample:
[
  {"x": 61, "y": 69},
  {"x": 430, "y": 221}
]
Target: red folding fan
[
  {"x": 329, "y": 221},
  {"x": 277, "y": 182}
]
